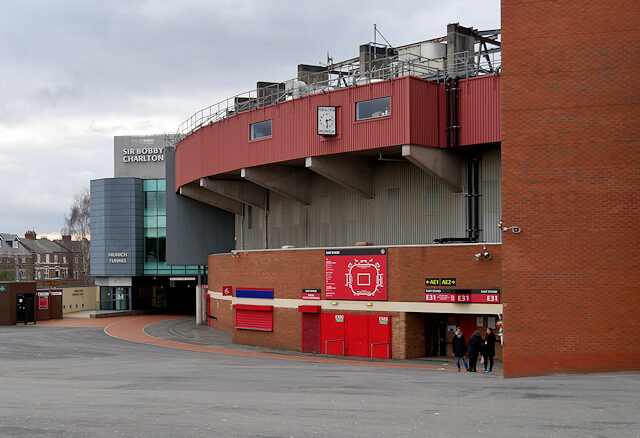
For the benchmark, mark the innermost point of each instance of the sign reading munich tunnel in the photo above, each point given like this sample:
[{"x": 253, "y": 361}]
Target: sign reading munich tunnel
[{"x": 355, "y": 274}]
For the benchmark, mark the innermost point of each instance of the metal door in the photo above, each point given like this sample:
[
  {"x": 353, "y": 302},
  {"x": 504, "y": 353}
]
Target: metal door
[{"x": 25, "y": 308}]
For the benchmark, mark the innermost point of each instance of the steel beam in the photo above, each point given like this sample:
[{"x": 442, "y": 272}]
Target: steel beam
[
  {"x": 443, "y": 164},
  {"x": 194, "y": 191},
  {"x": 292, "y": 182},
  {"x": 242, "y": 191},
  {"x": 350, "y": 172}
]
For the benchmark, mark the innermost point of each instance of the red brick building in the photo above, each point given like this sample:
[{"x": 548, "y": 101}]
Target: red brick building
[
  {"x": 382, "y": 201},
  {"x": 571, "y": 172}
]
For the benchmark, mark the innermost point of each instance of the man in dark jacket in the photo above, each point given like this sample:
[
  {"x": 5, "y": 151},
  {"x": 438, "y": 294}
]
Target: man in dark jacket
[
  {"x": 475, "y": 345},
  {"x": 459, "y": 347},
  {"x": 489, "y": 350}
]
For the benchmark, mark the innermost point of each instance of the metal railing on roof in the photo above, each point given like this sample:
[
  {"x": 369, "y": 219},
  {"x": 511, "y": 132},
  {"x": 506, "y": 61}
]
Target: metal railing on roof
[{"x": 343, "y": 75}]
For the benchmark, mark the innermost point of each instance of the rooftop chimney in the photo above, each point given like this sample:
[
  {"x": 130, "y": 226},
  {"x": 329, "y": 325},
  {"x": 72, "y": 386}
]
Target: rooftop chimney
[{"x": 30, "y": 235}]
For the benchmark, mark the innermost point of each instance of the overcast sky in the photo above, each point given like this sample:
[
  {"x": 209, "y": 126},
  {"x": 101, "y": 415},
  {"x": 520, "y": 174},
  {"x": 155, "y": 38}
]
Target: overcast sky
[{"x": 73, "y": 74}]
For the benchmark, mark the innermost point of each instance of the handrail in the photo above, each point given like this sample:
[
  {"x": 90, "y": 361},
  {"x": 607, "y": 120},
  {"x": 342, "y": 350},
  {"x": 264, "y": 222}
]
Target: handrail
[
  {"x": 380, "y": 343},
  {"x": 326, "y": 343},
  {"x": 344, "y": 75}
]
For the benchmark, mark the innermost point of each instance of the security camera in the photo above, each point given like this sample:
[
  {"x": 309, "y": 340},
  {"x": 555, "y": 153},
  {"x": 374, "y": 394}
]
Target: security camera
[
  {"x": 516, "y": 229},
  {"x": 486, "y": 255},
  {"x": 477, "y": 256}
]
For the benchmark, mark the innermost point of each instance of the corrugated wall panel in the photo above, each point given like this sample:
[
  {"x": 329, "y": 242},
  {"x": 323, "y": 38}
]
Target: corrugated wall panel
[
  {"x": 479, "y": 110},
  {"x": 225, "y": 145},
  {"x": 409, "y": 207},
  {"x": 417, "y": 117},
  {"x": 491, "y": 201}
]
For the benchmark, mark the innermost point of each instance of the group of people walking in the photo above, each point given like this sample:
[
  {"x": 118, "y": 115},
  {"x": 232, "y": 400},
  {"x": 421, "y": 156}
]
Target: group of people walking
[{"x": 477, "y": 346}]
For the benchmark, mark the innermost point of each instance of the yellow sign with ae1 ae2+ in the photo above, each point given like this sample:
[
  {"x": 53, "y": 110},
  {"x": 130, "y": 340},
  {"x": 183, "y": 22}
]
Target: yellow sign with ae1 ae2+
[{"x": 440, "y": 282}]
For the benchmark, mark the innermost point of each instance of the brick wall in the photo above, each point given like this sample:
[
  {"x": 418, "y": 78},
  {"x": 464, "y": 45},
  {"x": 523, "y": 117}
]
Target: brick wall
[
  {"x": 571, "y": 178},
  {"x": 290, "y": 271}
]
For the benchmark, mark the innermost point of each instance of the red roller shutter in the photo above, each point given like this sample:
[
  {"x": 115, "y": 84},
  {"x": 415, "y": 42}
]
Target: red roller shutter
[
  {"x": 311, "y": 332},
  {"x": 254, "y": 317}
]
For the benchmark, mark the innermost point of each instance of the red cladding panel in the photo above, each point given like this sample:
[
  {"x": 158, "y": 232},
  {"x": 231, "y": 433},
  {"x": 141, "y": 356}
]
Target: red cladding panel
[
  {"x": 417, "y": 117},
  {"x": 479, "y": 110}
]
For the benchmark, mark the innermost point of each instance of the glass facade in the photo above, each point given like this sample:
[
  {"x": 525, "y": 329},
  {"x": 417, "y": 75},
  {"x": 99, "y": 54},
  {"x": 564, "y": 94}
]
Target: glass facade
[{"x": 155, "y": 231}]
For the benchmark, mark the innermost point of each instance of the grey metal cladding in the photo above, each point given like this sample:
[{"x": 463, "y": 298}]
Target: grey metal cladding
[
  {"x": 140, "y": 156},
  {"x": 116, "y": 227},
  {"x": 194, "y": 229}
]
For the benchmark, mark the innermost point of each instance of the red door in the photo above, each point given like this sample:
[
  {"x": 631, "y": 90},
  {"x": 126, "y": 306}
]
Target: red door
[
  {"x": 357, "y": 335},
  {"x": 311, "y": 332},
  {"x": 467, "y": 325},
  {"x": 380, "y": 336},
  {"x": 332, "y": 333}
]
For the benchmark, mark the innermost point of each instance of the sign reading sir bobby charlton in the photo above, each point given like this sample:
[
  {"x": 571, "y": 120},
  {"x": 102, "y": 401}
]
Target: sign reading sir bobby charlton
[{"x": 355, "y": 274}]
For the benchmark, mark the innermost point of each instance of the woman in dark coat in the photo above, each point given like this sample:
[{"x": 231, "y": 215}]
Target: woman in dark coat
[
  {"x": 475, "y": 345},
  {"x": 489, "y": 350},
  {"x": 459, "y": 347}
]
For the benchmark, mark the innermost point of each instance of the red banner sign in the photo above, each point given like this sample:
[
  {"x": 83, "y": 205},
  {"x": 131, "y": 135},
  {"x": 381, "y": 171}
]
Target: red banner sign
[
  {"x": 227, "y": 290},
  {"x": 355, "y": 274},
  {"x": 43, "y": 303},
  {"x": 491, "y": 296}
]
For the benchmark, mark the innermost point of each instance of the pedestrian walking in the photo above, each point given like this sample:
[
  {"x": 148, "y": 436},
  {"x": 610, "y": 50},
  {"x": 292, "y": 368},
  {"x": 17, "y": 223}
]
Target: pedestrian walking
[
  {"x": 459, "y": 347},
  {"x": 475, "y": 345},
  {"x": 489, "y": 350}
]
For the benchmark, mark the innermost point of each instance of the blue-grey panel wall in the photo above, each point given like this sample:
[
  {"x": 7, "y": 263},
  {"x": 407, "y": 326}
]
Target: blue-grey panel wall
[
  {"x": 117, "y": 245},
  {"x": 194, "y": 229}
]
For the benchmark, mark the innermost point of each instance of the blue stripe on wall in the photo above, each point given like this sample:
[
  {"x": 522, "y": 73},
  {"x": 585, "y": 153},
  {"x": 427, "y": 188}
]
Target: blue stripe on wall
[{"x": 255, "y": 293}]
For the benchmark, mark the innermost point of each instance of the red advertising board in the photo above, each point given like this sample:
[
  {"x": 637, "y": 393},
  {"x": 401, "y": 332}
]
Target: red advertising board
[
  {"x": 355, "y": 274},
  {"x": 43, "y": 302},
  {"x": 491, "y": 296}
]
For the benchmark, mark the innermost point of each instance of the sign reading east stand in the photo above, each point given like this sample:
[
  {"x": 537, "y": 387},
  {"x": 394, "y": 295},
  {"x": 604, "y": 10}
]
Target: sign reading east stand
[
  {"x": 491, "y": 296},
  {"x": 355, "y": 274},
  {"x": 311, "y": 294}
]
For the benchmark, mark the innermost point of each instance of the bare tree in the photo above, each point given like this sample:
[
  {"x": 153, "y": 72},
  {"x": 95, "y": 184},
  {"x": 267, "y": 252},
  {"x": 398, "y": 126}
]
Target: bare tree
[{"x": 77, "y": 225}]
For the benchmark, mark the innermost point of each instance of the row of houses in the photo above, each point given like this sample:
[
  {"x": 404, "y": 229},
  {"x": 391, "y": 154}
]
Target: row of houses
[{"x": 48, "y": 262}]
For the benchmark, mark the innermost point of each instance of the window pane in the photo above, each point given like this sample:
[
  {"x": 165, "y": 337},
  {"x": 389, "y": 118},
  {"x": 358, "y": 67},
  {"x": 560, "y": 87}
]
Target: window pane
[
  {"x": 150, "y": 250},
  {"x": 162, "y": 221},
  {"x": 370, "y": 109},
  {"x": 151, "y": 232},
  {"x": 162, "y": 185},
  {"x": 260, "y": 130},
  {"x": 151, "y": 222},
  {"x": 150, "y": 204},
  {"x": 162, "y": 249},
  {"x": 149, "y": 185}
]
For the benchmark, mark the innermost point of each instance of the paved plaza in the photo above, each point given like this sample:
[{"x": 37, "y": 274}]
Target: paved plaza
[{"x": 165, "y": 377}]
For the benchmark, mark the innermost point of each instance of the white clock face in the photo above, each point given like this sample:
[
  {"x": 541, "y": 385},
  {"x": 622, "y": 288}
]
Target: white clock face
[{"x": 326, "y": 120}]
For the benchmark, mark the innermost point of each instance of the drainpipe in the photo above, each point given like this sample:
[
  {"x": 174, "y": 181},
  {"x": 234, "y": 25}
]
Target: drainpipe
[
  {"x": 454, "y": 105},
  {"x": 447, "y": 91}
]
